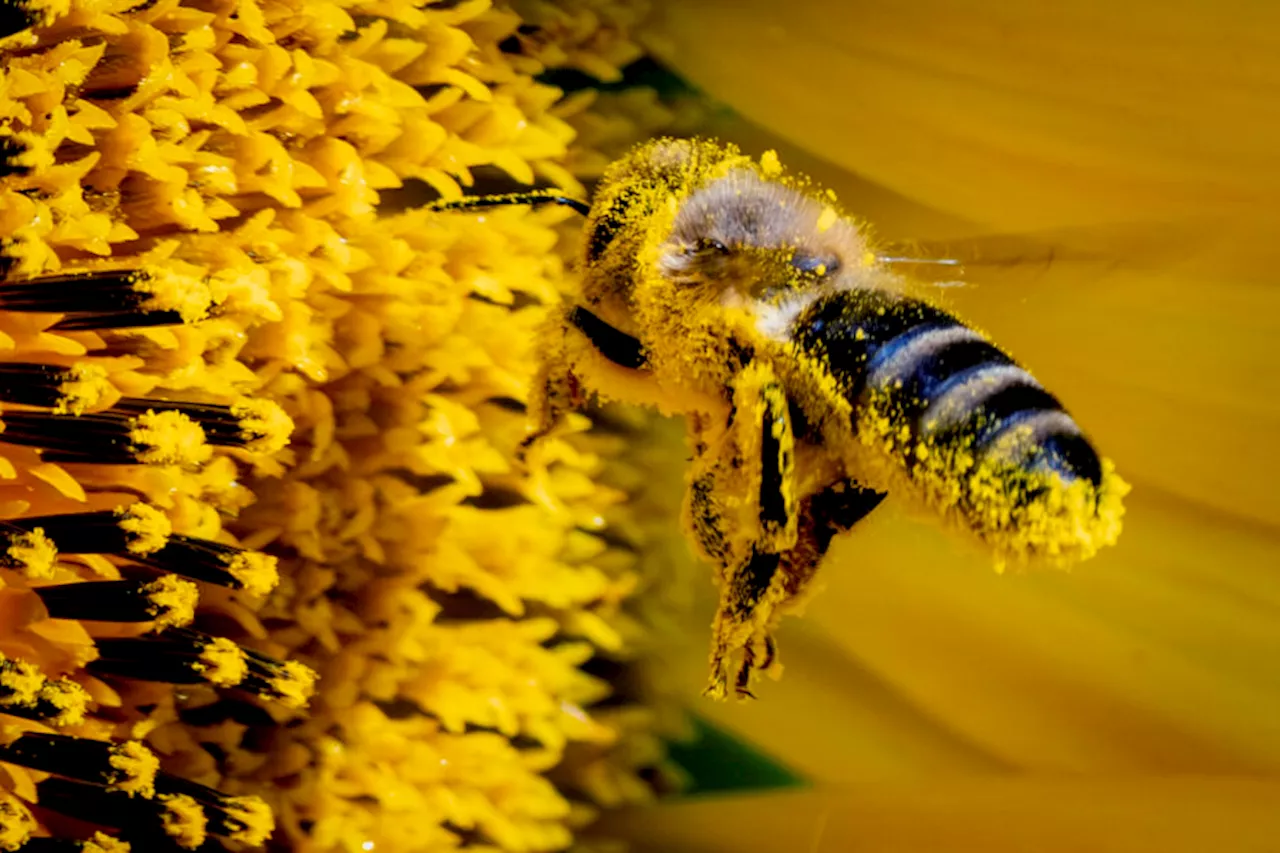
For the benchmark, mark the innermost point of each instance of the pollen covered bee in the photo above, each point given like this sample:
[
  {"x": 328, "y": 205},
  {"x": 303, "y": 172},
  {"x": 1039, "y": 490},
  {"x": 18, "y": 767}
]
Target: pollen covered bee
[{"x": 813, "y": 384}]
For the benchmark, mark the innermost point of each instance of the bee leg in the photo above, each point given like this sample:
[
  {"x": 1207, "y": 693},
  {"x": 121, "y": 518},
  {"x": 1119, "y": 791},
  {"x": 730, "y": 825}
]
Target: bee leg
[
  {"x": 742, "y": 684},
  {"x": 741, "y": 494},
  {"x": 556, "y": 389},
  {"x": 770, "y": 653},
  {"x": 739, "y": 619},
  {"x": 826, "y": 514},
  {"x": 555, "y": 392},
  {"x": 762, "y": 424},
  {"x": 615, "y": 345},
  {"x": 755, "y": 458},
  {"x": 757, "y": 598}
]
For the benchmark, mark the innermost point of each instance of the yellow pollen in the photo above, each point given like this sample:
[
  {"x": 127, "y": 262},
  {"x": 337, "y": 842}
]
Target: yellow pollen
[
  {"x": 826, "y": 219},
  {"x": 256, "y": 226},
  {"x": 71, "y": 700},
  {"x": 173, "y": 291},
  {"x": 103, "y": 843},
  {"x": 148, "y": 528},
  {"x": 16, "y": 823},
  {"x": 46, "y": 11},
  {"x": 257, "y": 818},
  {"x": 173, "y": 601},
  {"x": 263, "y": 424},
  {"x": 136, "y": 768},
  {"x": 770, "y": 165},
  {"x": 169, "y": 438},
  {"x": 35, "y": 552},
  {"x": 295, "y": 685},
  {"x": 222, "y": 662},
  {"x": 20, "y": 681},
  {"x": 87, "y": 389},
  {"x": 258, "y": 573},
  {"x": 183, "y": 820}
]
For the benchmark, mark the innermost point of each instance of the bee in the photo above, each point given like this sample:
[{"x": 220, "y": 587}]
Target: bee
[{"x": 813, "y": 384}]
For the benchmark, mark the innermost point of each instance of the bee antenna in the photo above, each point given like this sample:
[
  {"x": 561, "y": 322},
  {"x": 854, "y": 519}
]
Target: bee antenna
[{"x": 531, "y": 197}]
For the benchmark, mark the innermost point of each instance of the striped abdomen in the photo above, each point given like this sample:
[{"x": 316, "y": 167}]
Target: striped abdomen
[{"x": 976, "y": 433}]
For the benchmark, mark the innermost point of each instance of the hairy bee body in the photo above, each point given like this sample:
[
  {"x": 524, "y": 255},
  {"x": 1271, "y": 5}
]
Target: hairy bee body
[{"x": 724, "y": 290}]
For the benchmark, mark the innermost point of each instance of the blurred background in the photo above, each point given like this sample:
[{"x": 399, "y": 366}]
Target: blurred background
[{"x": 1108, "y": 175}]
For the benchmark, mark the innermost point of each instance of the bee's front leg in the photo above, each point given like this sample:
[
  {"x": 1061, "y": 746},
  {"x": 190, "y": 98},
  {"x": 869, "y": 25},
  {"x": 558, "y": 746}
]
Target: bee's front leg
[
  {"x": 574, "y": 340},
  {"x": 554, "y": 392}
]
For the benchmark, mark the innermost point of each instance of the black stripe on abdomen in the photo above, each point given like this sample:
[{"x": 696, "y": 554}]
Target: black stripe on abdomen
[
  {"x": 846, "y": 330},
  {"x": 943, "y": 381}
]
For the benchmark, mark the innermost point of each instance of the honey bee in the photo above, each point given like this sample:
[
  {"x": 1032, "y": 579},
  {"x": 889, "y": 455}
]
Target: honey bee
[{"x": 730, "y": 292}]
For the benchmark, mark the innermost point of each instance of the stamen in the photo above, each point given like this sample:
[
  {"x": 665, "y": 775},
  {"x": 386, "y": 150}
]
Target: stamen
[
  {"x": 20, "y": 681},
  {"x": 28, "y": 550},
  {"x": 183, "y": 656},
  {"x": 291, "y": 683},
  {"x": 61, "y": 702},
  {"x": 67, "y": 390},
  {"x": 128, "y": 767},
  {"x": 180, "y": 817},
  {"x": 247, "y": 820},
  {"x": 14, "y": 154},
  {"x": 99, "y": 843},
  {"x": 16, "y": 822},
  {"x": 183, "y": 820},
  {"x": 168, "y": 601},
  {"x": 141, "y": 533},
  {"x": 132, "y": 531},
  {"x": 177, "y": 656},
  {"x": 25, "y": 692},
  {"x": 214, "y": 562},
  {"x": 111, "y": 438},
  {"x": 110, "y": 299},
  {"x": 20, "y": 15},
  {"x": 260, "y": 426}
]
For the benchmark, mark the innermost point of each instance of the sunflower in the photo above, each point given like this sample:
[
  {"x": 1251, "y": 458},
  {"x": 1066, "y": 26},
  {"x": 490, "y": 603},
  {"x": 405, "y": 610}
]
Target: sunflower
[{"x": 270, "y": 575}]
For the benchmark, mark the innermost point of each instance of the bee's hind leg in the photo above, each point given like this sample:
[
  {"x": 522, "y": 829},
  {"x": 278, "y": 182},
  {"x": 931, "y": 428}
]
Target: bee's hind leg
[
  {"x": 759, "y": 655},
  {"x": 745, "y": 490},
  {"x": 771, "y": 585},
  {"x": 744, "y": 614}
]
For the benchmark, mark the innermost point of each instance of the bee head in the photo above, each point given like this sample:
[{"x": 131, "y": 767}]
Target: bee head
[{"x": 742, "y": 237}]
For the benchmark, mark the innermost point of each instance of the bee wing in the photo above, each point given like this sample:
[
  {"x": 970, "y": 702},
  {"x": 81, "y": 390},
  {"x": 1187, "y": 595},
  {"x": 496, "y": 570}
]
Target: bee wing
[{"x": 964, "y": 262}]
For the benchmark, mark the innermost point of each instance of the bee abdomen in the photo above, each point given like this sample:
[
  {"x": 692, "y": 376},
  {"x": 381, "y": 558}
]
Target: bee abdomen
[
  {"x": 950, "y": 386},
  {"x": 1006, "y": 414},
  {"x": 975, "y": 434},
  {"x": 929, "y": 379}
]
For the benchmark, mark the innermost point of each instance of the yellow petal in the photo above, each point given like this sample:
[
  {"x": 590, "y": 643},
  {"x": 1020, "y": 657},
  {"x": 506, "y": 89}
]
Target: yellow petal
[
  {"x": 1017, "y": 116},
  {"x": 1131, "y": 815}
]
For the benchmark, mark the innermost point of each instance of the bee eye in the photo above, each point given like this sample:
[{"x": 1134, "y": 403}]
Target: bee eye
[
  {"x": 708, "y": 246},
  {"x": 814, "y": 264}
]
